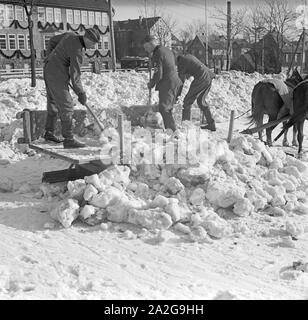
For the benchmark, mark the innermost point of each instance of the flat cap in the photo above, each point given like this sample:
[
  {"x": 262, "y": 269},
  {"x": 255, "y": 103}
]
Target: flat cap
[{"x": 92, "y": 34}]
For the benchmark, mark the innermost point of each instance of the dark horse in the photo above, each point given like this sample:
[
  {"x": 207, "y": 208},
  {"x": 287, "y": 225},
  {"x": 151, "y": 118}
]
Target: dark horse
[
  {"x": 300, "y": 107},
  {"x": 265, "y": 99}
]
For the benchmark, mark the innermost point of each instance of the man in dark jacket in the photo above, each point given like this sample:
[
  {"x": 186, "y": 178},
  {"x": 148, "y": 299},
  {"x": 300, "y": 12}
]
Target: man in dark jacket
[
  {"x": 165, "y": 79},
  {"x": 64, "y": 58},
  {"x": 189, "y": 65}
]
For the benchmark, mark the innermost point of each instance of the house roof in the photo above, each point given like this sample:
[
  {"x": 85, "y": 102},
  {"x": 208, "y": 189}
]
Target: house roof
[
  {"x": 95, "y": 5},
  {"x": 135, "y": 24}
]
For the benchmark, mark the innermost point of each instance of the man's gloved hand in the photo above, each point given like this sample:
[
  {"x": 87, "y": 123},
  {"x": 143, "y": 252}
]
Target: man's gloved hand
[{"x": 82, "y": 98}]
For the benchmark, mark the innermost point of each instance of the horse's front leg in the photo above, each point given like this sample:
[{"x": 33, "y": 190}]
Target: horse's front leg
[
  {"x": 294, "y": 141},
  {"x": 300, "y": 137},
  {"x": 285, "y": 141},
  {"x": 269, "y": 141}
]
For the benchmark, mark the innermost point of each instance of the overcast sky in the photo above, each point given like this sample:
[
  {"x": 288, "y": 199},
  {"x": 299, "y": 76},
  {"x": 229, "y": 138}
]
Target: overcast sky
[{"x": 184, "y": 11}]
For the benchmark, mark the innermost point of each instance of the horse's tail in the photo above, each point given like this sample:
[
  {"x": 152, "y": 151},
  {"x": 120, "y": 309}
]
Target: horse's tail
[{"x": 257, "y": 108}]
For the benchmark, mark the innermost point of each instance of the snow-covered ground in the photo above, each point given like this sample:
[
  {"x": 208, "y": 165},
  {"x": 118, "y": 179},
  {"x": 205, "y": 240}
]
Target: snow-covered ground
[{"x": 243, "y": 229}]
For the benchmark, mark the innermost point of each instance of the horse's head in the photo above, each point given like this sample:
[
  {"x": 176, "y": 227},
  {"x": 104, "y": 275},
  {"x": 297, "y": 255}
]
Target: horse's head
[{"x": 294, "y": 79}]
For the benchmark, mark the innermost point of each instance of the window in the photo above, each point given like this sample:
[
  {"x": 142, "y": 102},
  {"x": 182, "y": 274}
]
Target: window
[
  {"x": 12, "y": 42},
  {"x": 100, "y": 45},
  {"x": 69, "y": 16},
  {"x": 84, "y": 17},
  {"x": 41, "y": 14},
  {"x": 287, "y": 57},
  {"x": 21, "y": 41},
  {"x": 105, "y": 19},
  {"x": 91, "y": 18},
  {"x": 3, "y": 43},
  {"x": 49, "y": 14},
  {"x": 98, "y": 18},
  {"x": 9, "y": 12},
  {"x": 28, "y": 42},
  {"x": 19, "y": 13},
  {"x": 76, "y": 17},
  {"x": 106, "y": 45},
  {"x": 46, "y": 40},
  {"x": 58, "y": 16}
]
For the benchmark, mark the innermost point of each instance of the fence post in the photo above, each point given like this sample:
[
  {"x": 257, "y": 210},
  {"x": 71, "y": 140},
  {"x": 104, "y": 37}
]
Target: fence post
[{"x": 231, "y": 125}]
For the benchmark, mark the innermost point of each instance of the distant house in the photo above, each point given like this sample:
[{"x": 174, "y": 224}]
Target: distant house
[
  {"x": 130, "y": 33},
  {"x": 268, "y": 55},
  {"x": 51, "y": 17},
  {"x": 216, "y": 51}
]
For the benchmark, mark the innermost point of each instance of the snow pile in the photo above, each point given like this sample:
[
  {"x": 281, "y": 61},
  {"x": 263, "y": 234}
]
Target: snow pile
[{"x": 243, "y": 179}]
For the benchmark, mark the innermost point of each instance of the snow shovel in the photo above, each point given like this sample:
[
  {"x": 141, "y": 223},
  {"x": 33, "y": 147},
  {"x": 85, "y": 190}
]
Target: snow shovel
[{"x": 91, "y": 112}]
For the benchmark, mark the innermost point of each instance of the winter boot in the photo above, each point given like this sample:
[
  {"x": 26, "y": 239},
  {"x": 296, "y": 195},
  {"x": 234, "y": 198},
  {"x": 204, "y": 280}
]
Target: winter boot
[
  {"x": 73, "y": 144},
  {"x": 210, "y": 122},
  {"x": 49, "y": 136}
]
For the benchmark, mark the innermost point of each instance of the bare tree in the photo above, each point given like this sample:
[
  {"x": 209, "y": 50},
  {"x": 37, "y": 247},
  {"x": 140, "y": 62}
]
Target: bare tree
[
  {"x": 255, "y": 29},
  {"x": 279, "y": 19},
  {"x": 165, "y": 27},
  {"x": 236, "y": 26},
  {"x": 29, "y": 6},
  {"x": 188, "y": 33}
]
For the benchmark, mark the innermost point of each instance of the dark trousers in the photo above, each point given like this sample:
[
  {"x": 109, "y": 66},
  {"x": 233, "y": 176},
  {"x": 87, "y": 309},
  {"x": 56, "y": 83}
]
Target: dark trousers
[
  {"x": 59, "y": 102},
  {"x": 167, "y": 98},
  {"x": 199, "y": 90}
]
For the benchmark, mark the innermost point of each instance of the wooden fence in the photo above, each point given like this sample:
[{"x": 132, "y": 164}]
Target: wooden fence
[{"x": 26, "y": 73}]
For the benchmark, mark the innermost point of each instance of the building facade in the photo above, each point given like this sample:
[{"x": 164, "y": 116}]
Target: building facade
[
  {"x": 130, "y": 33},
  {"x": 51, "y": 17}
]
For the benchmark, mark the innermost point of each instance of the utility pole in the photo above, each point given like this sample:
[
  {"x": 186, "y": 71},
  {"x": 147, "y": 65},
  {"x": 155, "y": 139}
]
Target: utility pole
[
  {"x": 206, "y": 35},
  {"x": 113, "y": 54},
  {"x": 304, "y": 40},
  {"x": 228, "y": 35}
]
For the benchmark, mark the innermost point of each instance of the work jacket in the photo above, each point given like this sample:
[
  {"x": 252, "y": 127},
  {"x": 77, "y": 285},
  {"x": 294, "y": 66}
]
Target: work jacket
[
  {"x": 190, "y": 66},
  {"x": 64, "y": 58},
  {"x": 165, "y": 74}
]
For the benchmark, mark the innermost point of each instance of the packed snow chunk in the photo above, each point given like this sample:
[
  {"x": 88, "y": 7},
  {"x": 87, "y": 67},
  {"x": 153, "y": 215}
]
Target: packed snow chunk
[
  {"x": 180, "y": 227},
  {"x": 89, "y": 192},
  {"x": 76, "y": 188},
  {"x": 300, "y": 165},
  {"x": 273, "y": 177},
  {"x": 276, "y": 164},
  {"x": 87, "y": 211},
  {"x": 160, "y": 201},
  {"x": 193, "y": 175},
  {"x": 257, "y": 200},
  {"x": 94, "y": 181},
  {"x": 6, "y": 184},
  {"x": 118, "y": 212},
  {"x": 243, "y": 207},
  {"x": 292, "y": 170},
  {"x": 240, "y": 143},
  {"x": 142, "y": 190},
  {"x": 174, "y": 185},
  {"x": 197, "y": 197},
  {"x": 224, "y": 194},
  {"x": 118, "y": 175},
  {"x": 198, "y": 234},
  {"x": 99, "y": 216},
  {"x": 66, "y": 212},
  {"x": 278, "y": 201},
  {"x": 276, "y": 212},
  {"x": 107, "y": 198},
  {"x": 150, "y": 219},
  {"x": 216, "y": 226},
  {"x": 177, "y": 211},
  {"x": 301, "y": 208},
  {"x": 294, "y": 229},
  {"x": 289, "y": 186}
]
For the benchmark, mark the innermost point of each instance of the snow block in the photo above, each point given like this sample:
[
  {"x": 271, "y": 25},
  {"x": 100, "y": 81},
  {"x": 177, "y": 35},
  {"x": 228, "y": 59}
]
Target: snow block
[{"x": 66, "y": 212}]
